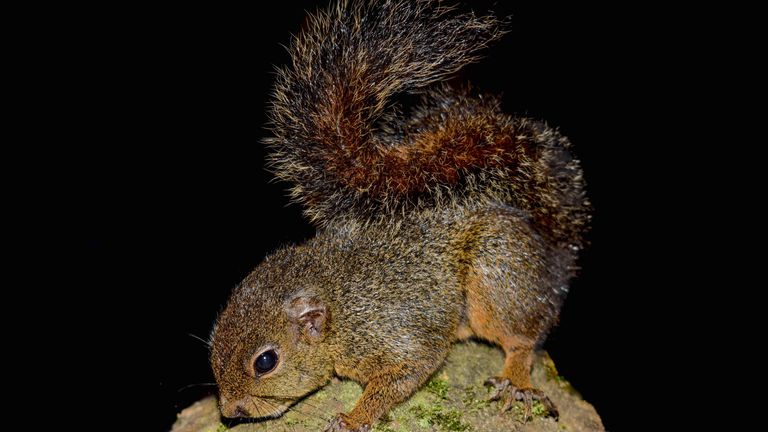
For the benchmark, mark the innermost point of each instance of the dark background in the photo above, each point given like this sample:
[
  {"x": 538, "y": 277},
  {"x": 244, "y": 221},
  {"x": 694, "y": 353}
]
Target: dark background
[{"x": 213, "y": 214}]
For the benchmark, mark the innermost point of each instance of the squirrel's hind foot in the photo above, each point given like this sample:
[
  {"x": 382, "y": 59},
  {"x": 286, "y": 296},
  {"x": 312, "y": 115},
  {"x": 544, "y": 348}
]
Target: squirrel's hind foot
[{"x": 505, "y": 391}]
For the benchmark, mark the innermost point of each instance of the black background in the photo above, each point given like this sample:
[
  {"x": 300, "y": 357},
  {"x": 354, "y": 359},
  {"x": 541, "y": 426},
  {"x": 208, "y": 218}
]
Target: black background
[{"x": 212, "y": 213}]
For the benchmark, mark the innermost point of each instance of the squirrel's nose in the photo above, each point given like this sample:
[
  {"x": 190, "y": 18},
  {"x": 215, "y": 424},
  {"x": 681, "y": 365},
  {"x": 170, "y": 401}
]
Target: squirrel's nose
[
  {"x": 235, "y": 410},
  {"x": 240, "y": 412}
]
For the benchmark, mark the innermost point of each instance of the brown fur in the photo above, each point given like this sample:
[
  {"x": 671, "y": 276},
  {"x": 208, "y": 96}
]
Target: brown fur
[{"x": 456, "y": 221}]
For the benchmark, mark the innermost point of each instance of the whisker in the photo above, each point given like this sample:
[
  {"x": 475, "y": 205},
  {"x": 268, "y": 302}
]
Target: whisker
[
  {"x": 317, "y": 414},
  {"x": 205, "y": 342},
  {"x": 311, "y": 415},
  {"x": 188, "y": 386},
  {"x": 258, "y": 403}
]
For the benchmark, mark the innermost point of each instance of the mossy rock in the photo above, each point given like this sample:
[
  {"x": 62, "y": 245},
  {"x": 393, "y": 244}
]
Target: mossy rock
[{"x": 453, "y": 401}]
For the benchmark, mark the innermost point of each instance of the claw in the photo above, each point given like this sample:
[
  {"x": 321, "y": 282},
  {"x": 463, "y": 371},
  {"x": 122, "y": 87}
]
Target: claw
[
  {"x": 527, "y": 404},
  {"x": 508, "y": 393},
  {"x": 550, "y": 407},
  {"x": 507, "y": 404},
  {"x": 500, "y": 386}
]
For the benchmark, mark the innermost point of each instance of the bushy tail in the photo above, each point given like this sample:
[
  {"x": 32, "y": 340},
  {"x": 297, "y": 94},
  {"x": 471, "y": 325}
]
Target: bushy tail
[{"x": 341, "y": 142}]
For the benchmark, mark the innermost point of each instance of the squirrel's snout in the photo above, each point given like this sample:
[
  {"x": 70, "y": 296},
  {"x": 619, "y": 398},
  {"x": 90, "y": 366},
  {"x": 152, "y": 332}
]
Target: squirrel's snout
[{"x": 234, "y": 409}]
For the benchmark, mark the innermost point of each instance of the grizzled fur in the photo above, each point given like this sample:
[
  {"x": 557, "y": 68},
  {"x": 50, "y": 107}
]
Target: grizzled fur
[{"x": 456, "y": 221}]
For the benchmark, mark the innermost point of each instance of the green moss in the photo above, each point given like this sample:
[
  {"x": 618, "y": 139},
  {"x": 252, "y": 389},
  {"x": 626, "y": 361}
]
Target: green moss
[
  {"x": 538, "y": 409},
  {"x": 519, "y": 412},
  {"x": 448, "y": 420},
  {"x": 438, "y": 387},
  {"x": 421, "y": 398},
  {"x": 549, "y": 366},
  {"x": 473, "y": 402},
  {"x": 321, "y": 395},
  {"x": 382, "y": 428},
  {"x": 222, "y": 428},
  {"x": 292, "y": 421},
  {"x": 347, "y": 393}
]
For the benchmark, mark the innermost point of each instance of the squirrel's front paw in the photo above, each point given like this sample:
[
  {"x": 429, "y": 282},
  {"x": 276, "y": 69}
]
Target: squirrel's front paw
[
  {"x": 342, "y": 423},
  {"x": 508, "y": 394}
]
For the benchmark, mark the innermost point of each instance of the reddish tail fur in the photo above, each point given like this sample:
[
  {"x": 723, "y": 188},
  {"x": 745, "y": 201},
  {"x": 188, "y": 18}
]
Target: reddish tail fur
[{"x": 349, "y": 153}]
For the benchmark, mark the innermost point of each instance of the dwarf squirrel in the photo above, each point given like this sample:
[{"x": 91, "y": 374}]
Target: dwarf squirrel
[{"x": 453, "y": 221}]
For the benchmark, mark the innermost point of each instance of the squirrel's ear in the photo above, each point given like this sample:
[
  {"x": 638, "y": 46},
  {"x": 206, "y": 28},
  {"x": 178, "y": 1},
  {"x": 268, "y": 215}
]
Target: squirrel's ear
[{"x": 310, "y": 316}]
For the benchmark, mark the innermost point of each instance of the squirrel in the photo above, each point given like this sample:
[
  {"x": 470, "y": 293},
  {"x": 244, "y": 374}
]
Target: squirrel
[{"x": 450, "y": 221}]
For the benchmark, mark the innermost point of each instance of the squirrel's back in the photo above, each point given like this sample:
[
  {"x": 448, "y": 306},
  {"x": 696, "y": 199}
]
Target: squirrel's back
[{"x": 348, "y": 151}]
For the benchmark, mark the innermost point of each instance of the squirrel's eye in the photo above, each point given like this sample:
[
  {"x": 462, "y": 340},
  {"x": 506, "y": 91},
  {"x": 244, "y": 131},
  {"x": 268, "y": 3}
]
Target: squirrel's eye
[{"x": 265, "y": 362}]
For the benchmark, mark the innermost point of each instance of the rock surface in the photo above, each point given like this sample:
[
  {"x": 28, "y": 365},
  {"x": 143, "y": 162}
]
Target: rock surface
[{"x": 454, "y": 400}]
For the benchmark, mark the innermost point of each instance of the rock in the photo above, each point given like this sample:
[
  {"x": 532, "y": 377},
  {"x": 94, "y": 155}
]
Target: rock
[{"x": 453, "y": 400}]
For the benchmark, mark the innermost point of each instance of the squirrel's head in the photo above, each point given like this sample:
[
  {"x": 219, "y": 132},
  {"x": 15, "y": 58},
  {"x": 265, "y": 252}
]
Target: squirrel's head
[{"x": 270, "y": 344}]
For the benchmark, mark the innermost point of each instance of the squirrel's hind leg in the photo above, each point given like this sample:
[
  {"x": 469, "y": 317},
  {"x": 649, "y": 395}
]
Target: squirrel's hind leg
[
  {"x": 488, "y": 320},
  {"x": 515, "y": 383}
]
